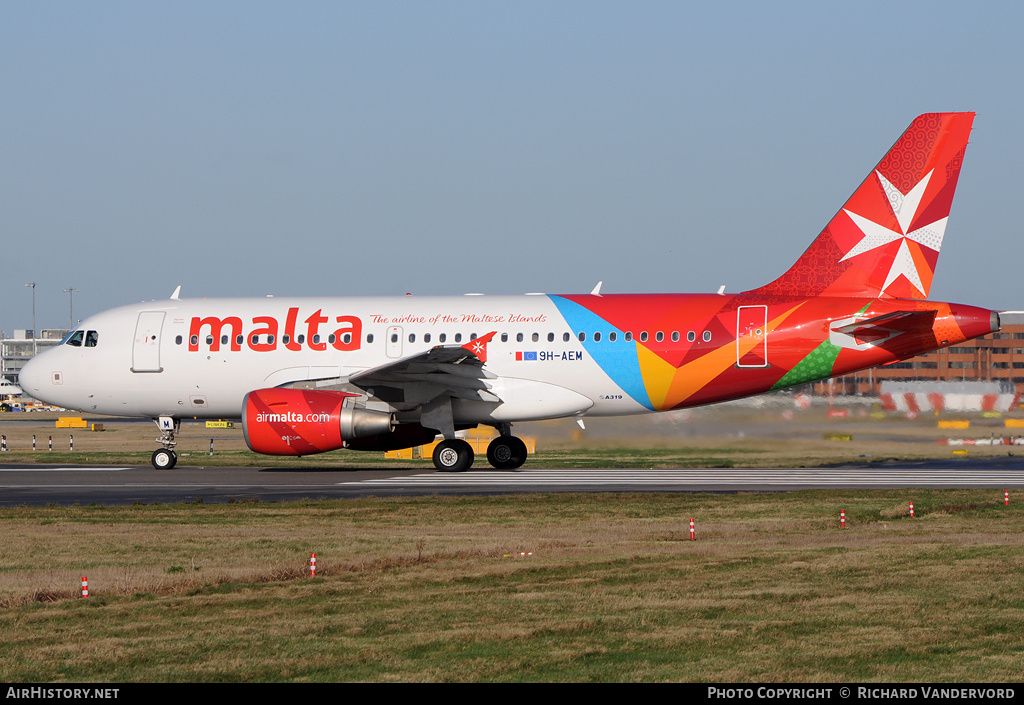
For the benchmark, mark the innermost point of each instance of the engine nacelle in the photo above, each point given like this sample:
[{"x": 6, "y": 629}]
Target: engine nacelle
[{"x": 306, "y": 421}]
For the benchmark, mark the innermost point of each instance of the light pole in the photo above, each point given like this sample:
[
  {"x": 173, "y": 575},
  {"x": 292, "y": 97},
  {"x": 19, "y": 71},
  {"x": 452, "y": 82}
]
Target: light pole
[
  {"x": 35, "y": 335},
  {"x": 71, "y": 318}
]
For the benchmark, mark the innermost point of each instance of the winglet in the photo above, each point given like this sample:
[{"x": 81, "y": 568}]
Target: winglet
[
  {"x": 174, "y": 296},
  {"x": 478, "y": 346}
]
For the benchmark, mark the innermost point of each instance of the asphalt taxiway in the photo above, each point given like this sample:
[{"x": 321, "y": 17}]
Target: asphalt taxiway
[{"x": 67, "y": 485}]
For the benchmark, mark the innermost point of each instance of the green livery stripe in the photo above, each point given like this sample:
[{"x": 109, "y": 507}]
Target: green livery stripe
[{"x": 817, "y": 365}]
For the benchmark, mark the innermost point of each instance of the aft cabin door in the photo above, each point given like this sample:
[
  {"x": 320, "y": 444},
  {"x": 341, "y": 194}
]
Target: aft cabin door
[
  {"x": 752, "y": 336},
  {"x": 146, "y": 348}
]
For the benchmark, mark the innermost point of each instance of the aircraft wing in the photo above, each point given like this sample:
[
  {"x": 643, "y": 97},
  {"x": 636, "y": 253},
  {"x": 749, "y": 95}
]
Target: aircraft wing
[{"x": 454, "y": 371}]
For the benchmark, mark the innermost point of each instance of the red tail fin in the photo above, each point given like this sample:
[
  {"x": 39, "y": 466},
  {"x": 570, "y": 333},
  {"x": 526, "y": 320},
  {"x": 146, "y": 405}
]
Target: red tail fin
[{"x": 885, "y": 241}]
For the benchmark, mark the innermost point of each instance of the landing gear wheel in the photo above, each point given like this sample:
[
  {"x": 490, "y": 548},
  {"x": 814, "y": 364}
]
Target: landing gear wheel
[
  {"x": 164, "y": 459},
  {"x": 453, "y": 456},
  {"x": 506, "y": 453}
]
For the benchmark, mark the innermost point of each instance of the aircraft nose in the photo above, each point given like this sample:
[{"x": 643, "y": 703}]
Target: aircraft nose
[{"x": 29, "y": 377}]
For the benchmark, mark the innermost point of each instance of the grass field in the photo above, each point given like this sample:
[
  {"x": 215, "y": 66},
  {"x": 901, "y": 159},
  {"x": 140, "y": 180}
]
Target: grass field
[{"x": 433, "y": 589}]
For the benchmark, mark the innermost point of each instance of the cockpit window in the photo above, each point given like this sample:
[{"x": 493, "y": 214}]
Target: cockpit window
[
  {"x": 74, "y": 338},
  {"x": 91, "y": 338}
]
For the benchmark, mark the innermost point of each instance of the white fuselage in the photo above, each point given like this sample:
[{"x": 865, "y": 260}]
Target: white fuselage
[{"x": 198, "y": 358}]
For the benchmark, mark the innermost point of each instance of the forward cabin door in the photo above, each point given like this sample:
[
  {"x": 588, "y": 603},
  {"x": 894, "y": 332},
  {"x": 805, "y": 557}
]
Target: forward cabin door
[
  {"x": 146, "y": 347},
  {"x": 752, "y": 336}
]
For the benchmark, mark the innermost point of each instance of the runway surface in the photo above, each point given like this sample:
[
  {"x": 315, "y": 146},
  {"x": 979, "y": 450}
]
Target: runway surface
[{"x": 66, "y": 485}]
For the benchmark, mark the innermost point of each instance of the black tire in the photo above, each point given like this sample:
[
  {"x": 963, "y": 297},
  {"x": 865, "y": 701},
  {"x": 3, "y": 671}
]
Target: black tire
[
  {"x": 164, "y": 459},
  {"x": 453, "y": 456},
  {"x": 506, "y": 453}
]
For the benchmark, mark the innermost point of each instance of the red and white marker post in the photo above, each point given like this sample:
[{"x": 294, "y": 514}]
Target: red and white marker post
[
  {"x": 312, "y": 565},
  {"x": 911, "y": 510},
  {"x": 85, "y": 586},
  {"x": 693, "y": 536},
  {"x": 1006, "y": 496},
  {"x": 842, "y": 518}
]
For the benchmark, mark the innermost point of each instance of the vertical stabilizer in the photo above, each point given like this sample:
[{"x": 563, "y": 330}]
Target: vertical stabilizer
[{"x": 885, "y": 240}]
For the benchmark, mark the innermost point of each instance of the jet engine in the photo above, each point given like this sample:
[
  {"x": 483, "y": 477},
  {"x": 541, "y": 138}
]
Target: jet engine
[{"x": 306, "y": 421}]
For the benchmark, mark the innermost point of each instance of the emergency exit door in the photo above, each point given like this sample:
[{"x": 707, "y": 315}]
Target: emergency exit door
[{"x": 752, "y": 336}]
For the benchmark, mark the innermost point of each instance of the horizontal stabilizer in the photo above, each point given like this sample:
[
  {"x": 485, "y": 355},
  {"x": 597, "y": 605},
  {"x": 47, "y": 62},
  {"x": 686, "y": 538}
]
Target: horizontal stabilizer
[{"x": 883, "y": 327}]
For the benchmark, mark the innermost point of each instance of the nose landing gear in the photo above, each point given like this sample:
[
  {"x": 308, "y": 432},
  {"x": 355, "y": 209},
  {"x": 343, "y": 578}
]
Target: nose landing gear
[{"x": 165, "y": 458}]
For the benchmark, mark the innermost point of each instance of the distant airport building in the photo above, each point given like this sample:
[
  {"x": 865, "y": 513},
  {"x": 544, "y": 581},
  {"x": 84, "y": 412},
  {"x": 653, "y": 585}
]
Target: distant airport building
[
  {"x": 16, "y": 351},
  {"x": 997, "y": 358}
]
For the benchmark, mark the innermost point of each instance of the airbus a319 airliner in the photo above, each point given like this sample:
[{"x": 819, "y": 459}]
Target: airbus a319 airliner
[{"x": 308, "y": 375}]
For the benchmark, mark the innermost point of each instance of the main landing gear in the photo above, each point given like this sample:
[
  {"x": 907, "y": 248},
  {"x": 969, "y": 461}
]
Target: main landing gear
[
  {"x": 453, "y": 455},
  {"x": 507, "y": 452},
  {"x": 165, "y": 458}
]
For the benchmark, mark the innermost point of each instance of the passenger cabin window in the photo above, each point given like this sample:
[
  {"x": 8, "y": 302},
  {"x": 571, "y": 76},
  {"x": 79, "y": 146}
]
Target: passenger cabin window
[
  {"x": 643, "y": 337},
  {"x": 691, "y": 336},
  {"x": 177, "y": 340},
  {"x": 442, "y": 337},
  {"x": 659, "y": 336},
  {"x": 707, "y": 336},
  {"x": 612, "y": 337}
]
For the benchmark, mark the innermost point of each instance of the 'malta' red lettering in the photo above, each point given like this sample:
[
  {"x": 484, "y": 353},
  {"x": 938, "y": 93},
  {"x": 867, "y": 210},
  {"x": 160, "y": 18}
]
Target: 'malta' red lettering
[
  {"x": 263, "y": 337},
  {"x": 289, "y": 330},
  {"x": 312, "y": 337}
]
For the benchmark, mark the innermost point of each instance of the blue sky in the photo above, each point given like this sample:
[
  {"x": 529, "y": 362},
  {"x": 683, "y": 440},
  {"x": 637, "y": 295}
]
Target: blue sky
[{"x": 252, "y": 148}]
